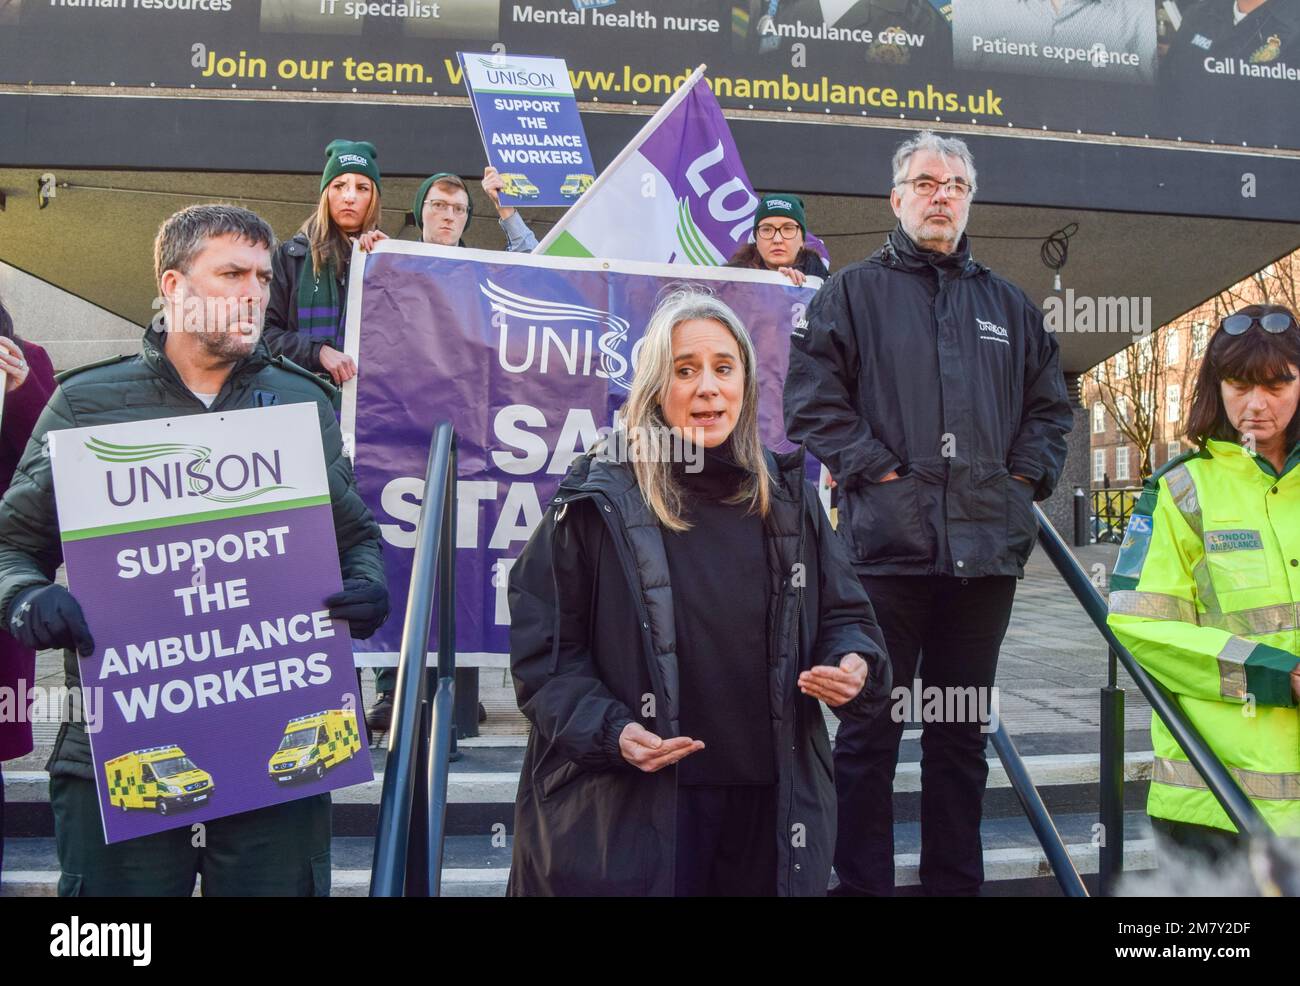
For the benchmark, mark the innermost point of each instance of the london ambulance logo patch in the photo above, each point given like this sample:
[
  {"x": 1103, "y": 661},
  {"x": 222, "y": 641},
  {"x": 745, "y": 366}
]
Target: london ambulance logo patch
[
  {"x": 1271, "y": 49},
  {"x": 1217, "y": 541}
]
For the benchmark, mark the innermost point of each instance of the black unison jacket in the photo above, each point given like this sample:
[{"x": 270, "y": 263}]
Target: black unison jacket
[
  {"x": 933, "y": 366},
  {"x": 592, "y": 648}
]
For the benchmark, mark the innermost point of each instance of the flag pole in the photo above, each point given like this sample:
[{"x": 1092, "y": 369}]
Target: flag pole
[{"x": 642, "y": 135}]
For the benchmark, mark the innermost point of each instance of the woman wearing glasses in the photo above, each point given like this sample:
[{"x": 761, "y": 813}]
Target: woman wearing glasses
[
  {"x": 309, "y": 289},
  {"x": 779, "y": 231},
  {"x": 1206, "y": 587}
]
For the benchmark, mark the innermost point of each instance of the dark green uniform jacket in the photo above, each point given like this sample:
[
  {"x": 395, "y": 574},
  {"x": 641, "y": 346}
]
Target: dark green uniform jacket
[{"x": 141, "y": 388}]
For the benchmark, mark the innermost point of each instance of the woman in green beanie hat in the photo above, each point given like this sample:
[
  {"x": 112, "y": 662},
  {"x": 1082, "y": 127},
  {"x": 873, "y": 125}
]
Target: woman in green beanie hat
[
  {"x": 304, "y": 319},
  {"x": 779, "y": 232}
]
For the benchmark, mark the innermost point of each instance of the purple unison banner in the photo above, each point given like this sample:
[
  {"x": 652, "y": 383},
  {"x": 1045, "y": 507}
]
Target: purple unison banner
[
  {"x": 201, "y": 549},
  {"x": 529, "y": 357}
]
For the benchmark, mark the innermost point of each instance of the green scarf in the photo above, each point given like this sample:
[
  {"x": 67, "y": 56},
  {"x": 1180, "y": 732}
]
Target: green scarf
[{"x": 319, "y": 311}]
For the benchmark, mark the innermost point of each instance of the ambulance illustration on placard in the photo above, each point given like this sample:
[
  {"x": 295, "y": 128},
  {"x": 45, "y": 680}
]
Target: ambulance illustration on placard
[
  {"x": 519, "y": 186},
  {"x": 575, "y": 185},
  {"x": 313, "y": 743},
  {"x": 159, "y": 778}
]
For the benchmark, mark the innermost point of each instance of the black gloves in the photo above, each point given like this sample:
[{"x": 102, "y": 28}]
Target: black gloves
[
  {"x": 48, "y": 616},
  {"x": 364, "y": 604}
]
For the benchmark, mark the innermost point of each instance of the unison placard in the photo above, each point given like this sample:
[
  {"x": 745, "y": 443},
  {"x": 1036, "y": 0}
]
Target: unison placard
[{"x": 201, "y": 549}]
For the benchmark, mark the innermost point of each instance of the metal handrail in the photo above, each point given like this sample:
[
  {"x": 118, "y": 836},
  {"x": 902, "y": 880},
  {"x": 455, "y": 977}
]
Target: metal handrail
[
  {"x": 1058, "y": 857},
  {"x": 412, "y": 805},
  {"x": 1244, "y": 815},
  {"x": 442, "y": 727}
]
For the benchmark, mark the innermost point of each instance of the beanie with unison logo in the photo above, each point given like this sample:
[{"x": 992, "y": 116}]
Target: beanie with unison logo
[
  {"x": 781, "y": 204},
  {"x": 350, "y": 157}
]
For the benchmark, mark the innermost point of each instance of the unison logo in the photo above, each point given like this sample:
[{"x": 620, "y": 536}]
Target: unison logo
[
  {"x": 505, "y": 74},
  {"x": 177, "y": 470},
  {"x": 578, "y": 350}
]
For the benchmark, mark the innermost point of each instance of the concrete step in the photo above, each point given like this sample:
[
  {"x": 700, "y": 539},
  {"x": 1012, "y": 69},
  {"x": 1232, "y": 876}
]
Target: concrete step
[
  {"x": 477, "y": 866},
  {"x": 483, "y": 783},
  {"x": 496, "y": 782}
]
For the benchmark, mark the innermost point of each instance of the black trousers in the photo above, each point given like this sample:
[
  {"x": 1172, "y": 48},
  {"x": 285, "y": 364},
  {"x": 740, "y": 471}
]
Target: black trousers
[
  {"x": 947, "y": 632},
  {"x": 279, "y": 851},
  {"x": 726, "y": 841}
]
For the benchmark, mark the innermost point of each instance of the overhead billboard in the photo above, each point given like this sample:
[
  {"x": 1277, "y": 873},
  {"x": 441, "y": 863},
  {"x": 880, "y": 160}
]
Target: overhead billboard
[{"x": 1194, "y": 69}]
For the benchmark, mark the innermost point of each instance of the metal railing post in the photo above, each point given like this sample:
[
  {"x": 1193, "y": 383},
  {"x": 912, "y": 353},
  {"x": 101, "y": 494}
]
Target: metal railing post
[
  {"x": 1058, "y": 857},
  {"x": 417, "y": 850},
  {"x": 442, "y": 727},
  {"x": 1110, "y": 857},
  {"x": 400, "y": 864}
]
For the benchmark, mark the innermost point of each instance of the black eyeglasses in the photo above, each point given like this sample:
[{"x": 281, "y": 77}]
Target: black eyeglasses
[{"x": 1274, "y": 322}]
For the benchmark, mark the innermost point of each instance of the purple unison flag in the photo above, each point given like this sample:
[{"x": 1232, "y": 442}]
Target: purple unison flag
[
  {"x": 695, "y": 152},
  {"x": 679, "y": 190},
  {"x": 528, "y": 357}
]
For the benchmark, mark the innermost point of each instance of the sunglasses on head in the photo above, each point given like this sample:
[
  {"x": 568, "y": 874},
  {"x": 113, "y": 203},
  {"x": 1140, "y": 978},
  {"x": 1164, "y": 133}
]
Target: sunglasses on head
[{"x": 1274, "y": 322}]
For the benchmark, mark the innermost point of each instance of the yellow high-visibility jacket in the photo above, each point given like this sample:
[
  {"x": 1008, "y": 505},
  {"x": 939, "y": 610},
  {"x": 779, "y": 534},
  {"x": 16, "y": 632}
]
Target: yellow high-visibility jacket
[{"x": 1204, "y": 594}]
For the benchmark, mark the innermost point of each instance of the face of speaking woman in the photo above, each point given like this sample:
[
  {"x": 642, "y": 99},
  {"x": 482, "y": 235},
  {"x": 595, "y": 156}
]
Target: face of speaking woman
[
  {"x": 707, "y": 388},
  {"x": 695, "y": 380}
]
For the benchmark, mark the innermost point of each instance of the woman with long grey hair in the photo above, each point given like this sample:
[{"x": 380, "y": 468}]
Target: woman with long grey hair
[{"x": 676, "y": 619}]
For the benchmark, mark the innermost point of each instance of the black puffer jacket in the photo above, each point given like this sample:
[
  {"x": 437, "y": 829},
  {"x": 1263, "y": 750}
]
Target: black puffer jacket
[
  {"x": 141, "y": 388},
  {"x": 290, "y": 259},
  {"x": 933, "y": 366},
  {"x": 592, "y": 648}
]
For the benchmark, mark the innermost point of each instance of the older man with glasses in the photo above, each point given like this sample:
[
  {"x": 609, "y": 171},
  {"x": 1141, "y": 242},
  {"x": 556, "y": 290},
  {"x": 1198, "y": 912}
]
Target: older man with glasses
[{"x": 930, "y": 389}]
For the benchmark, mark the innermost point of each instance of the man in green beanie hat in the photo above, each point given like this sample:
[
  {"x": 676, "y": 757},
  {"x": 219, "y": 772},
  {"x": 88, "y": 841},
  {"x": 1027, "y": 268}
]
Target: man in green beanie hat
[{"x": 442, "y": 209}]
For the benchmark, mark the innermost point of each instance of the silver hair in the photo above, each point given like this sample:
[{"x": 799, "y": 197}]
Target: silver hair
[{"x": 928, "y": 140}]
